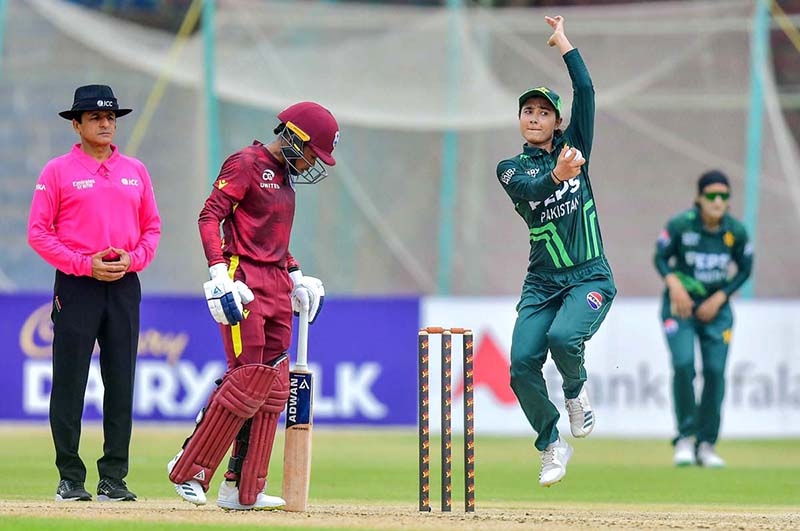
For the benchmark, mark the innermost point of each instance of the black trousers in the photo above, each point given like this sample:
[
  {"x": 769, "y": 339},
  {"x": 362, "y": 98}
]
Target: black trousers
[{"x": 85, "y": 310}]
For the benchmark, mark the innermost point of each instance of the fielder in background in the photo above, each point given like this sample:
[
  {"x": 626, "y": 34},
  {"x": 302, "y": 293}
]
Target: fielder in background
[
  {"x": 693, "y": 254},
  {"x": 94, "y": 218},
  {"x": 254, "y": 199},
  {"x": 569, "y": 286}
]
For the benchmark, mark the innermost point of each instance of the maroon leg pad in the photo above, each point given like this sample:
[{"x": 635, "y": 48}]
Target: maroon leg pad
[
  {"x": 253, "y": 477},
  {"x": 241, "y": 394}
]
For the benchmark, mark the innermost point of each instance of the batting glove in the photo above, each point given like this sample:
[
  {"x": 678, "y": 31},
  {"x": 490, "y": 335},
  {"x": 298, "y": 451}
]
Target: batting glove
[
  {"x": 308, "y": 294},
  {"x": 224, "y": 296}
]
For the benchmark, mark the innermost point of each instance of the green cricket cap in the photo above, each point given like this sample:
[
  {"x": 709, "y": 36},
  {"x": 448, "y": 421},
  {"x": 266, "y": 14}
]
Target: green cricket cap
[{"x": 544, "y": 92}]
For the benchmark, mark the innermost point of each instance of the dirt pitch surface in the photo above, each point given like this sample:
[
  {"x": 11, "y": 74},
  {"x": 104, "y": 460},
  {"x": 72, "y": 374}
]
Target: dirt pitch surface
[{"x": 395, "y": 517}]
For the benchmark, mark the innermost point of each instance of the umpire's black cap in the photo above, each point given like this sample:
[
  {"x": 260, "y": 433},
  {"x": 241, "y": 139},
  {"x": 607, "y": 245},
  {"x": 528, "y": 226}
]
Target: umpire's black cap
[{"x": 93, "y": 98}]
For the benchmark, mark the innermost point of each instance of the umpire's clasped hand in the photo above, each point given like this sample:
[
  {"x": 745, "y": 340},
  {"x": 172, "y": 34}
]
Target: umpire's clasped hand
[{"x": 109, "y": 271}]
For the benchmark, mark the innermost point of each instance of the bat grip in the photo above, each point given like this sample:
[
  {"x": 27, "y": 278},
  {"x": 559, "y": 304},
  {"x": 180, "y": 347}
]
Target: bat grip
[{"x": 302, "y": 342}]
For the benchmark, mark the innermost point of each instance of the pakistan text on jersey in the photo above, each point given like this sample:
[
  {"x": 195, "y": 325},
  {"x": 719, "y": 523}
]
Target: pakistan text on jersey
[
  {"x": 558, "y": 211},
  {"x": 570, "y": 186},
  {"x": 711, "y": 276}
]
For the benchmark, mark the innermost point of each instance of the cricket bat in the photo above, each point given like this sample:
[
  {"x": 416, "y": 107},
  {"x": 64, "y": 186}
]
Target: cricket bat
[{"x": 299, "y": 410}]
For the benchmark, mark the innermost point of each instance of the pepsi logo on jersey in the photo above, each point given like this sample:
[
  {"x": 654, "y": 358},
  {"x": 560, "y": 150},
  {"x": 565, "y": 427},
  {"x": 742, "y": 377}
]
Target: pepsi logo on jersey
[
  {"x": 595, "y": 300},
  {"x": 670, "y": 326}
]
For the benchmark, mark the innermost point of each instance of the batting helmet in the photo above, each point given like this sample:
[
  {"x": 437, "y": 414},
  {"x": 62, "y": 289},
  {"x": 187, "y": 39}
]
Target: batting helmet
[{"x": 308, "y": 123}]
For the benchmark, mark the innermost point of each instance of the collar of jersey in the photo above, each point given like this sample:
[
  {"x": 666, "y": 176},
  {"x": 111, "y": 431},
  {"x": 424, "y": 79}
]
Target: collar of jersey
[
  {"x": 558, "y": 141},
  {"x": 724, "y": 225},
  {"x": 91, "y": 164}
]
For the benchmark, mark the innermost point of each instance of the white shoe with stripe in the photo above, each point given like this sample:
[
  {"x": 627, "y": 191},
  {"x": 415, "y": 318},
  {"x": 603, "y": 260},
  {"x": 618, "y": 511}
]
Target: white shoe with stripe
[
  {"x": 554, "y": 462},
  {"x": 707, "y": 456},
  {"x": 581, "y": 415},
  {"x": 228, "y": 499},
  {"x": 684, "y": 452},
  {"x": 191, "y": 490}
]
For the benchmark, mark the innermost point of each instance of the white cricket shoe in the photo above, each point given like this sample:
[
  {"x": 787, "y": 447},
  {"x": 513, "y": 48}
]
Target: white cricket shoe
[
  {"x": 554, "y": 462},
  {"x": 228, "y": 498},
  {"x": 581, "y": 415},
  {"x": 707, "y": 457},
  {"x": 684, "y": 452},
  {"x": 191, "y": 490}
]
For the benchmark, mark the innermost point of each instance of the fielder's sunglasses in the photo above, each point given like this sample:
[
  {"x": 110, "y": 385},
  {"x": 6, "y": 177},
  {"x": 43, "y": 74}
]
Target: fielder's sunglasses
[{"x": 712, "y": 196}]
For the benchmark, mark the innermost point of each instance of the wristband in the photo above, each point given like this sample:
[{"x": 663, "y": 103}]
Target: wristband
[{"x": 296, "y": 276}]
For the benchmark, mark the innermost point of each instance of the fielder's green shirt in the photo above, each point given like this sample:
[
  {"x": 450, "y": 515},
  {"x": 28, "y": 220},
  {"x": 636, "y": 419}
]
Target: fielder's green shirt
[
  {"x": 562, "y": 218},
  {"x": 702, "y": 259}
]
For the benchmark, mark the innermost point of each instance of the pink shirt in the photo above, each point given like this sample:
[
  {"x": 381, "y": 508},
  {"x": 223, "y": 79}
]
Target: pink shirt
[{"x": 82, "y": 206}]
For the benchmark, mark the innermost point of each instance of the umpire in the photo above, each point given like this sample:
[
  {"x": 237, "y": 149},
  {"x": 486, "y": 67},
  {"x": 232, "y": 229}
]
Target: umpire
[{"x": 94, "y": 218}]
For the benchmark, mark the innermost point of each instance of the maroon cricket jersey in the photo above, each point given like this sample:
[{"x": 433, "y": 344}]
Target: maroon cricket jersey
[{"x": 253, "y": 198}]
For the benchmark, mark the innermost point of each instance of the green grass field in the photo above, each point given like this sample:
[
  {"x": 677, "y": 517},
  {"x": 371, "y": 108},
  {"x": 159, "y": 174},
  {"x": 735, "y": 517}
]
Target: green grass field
[{"x": 374, "y": 468}]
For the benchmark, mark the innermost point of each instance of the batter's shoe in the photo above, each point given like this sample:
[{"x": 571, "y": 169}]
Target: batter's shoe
[
  {"x": 113, "y": 490},
  {"x": 191, "y": 490},
  {"x": 554, "y": 462},
  {"x": 581, "y": 415},
  {"x": 684, "y": 452},
  {"x": 228, "y": 499},
  {"x": 71, "y": 491},
  {"x": 707, "y": 456}
]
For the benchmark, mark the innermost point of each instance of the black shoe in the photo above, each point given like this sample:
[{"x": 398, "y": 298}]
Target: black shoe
[
  {"x": 114, "y": 490},
  {"x": 72, "y": 491}
]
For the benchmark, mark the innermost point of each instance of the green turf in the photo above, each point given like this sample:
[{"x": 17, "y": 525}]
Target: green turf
[{"x": 381, "y": 466}]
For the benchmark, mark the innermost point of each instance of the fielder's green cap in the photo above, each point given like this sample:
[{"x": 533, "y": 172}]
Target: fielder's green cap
[{"x": 544, "y": 92}]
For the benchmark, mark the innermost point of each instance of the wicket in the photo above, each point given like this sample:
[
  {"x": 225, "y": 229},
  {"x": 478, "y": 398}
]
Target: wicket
[{"x": 446, "y": 414}]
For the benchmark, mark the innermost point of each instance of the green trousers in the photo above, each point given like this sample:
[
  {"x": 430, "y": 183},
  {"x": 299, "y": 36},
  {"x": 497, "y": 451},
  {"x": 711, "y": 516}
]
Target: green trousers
[
  {"x": 698, "y": 420},
  {"x": 559, "y": 311}
]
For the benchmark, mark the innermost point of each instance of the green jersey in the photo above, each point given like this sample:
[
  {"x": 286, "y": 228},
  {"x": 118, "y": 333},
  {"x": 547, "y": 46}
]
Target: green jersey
[
  {"x": 701, "y": 259},
  {"x": 561, "y": 218}
]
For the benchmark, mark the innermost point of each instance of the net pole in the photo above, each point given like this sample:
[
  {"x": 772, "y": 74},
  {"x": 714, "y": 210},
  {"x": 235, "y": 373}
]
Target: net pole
[
  {"x": 164, "y": 77},
  {"x": 2, "y": 32},
  {"x": 759, "y": 53},
  {"x": 212, "y": 112},
  {"x": 447, "y": 193}
]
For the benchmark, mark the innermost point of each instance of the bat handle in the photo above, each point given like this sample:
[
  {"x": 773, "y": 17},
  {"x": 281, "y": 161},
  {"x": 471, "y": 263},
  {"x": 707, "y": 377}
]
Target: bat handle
[{"x": 302, "y": 342}]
